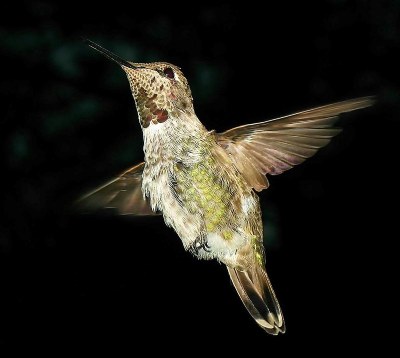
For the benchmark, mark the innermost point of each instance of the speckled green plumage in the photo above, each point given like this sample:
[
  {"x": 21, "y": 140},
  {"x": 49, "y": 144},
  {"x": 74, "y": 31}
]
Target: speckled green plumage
[
  {"x": 209, "y": 189},
  {"x": 200, "y": 188}
]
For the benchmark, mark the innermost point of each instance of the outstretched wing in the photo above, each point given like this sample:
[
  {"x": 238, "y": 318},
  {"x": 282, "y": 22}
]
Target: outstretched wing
[
  {"x": 274, "y": 146},
  {"x": 123, "y": 193}
]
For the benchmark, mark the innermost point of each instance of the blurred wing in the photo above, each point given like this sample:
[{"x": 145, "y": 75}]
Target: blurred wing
[
  {"x": 124, "y": 194},
  {"x": 274, "y": 146}
]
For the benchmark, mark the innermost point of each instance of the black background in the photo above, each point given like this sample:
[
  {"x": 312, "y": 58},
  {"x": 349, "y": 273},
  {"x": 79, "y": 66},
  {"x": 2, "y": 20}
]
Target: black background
[{"x": 68, "y": 123}]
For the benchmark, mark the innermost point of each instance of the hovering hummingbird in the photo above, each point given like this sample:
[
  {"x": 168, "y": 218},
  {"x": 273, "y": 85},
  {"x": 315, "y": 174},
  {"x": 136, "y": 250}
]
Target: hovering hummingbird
[{"x": 204, "y": 183}]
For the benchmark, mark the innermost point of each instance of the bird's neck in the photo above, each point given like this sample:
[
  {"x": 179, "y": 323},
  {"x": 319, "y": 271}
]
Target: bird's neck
[{"x": 173, "y": 140}]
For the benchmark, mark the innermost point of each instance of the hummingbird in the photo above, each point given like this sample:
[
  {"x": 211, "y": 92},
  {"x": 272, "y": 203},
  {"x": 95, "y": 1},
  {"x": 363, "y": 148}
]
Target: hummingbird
[{"x": 205, "y": 183}]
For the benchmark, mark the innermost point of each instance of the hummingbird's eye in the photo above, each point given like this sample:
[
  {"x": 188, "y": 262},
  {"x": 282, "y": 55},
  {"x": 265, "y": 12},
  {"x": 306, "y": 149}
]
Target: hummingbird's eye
[{"x": 168, "y": 72}]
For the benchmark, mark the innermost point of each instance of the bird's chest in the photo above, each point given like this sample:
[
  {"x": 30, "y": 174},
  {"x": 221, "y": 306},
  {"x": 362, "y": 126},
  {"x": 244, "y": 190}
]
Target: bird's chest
[
  {"x": 202, "y": 190},
  {"x": 156, "y": 184}
]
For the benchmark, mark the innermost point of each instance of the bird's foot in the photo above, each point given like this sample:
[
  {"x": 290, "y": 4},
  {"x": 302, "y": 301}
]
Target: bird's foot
[{"x": 199, "y": 244}]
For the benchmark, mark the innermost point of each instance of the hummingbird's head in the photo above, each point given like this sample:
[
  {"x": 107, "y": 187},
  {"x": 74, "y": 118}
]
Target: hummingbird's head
[{"x": 160, "y": 90}]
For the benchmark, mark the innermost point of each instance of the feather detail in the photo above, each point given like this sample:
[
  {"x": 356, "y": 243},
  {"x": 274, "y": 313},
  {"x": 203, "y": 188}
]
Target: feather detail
[
  {"x": 274, "y": 146},
  {"x": 123, "y": 193},
  {"x": 256, "y": 292}
]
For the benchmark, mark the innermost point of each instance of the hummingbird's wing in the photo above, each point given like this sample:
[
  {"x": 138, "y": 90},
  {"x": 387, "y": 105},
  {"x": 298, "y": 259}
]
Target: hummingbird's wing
[
  {"x": 123, "y": 193},
  {"x": 274, "y": 146}
]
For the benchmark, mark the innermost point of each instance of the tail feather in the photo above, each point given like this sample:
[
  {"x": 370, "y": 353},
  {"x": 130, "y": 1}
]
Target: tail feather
[{"x": 258, "y": 296}]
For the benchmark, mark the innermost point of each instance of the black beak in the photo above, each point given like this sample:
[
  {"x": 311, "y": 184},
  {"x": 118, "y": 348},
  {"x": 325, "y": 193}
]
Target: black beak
[{"x": 108, "y": 54}]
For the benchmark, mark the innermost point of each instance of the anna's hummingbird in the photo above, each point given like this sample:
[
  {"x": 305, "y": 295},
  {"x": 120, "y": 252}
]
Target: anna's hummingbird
[{"x": 204, "y": 183}]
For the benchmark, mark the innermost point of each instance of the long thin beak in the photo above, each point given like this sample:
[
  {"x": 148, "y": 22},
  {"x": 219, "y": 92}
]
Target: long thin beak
[{"x": 108, "y": 54}]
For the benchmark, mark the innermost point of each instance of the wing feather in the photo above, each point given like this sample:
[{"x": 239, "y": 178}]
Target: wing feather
[
  {"x": 123, "y": 193},
  {"x": 274, "y": 146}
]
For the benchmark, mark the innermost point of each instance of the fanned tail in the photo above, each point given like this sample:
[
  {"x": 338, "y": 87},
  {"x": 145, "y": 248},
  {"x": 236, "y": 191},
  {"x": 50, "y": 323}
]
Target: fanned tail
[{"x": 257, "y": 294}]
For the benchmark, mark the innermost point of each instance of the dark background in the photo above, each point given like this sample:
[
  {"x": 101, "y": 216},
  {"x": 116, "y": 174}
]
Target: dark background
[{"x": 68, "y": 123}]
